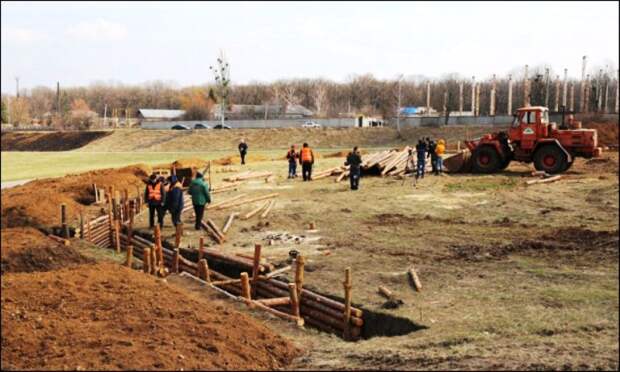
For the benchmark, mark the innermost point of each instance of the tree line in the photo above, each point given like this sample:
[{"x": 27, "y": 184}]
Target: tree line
[{"x": 80, "y": 107}]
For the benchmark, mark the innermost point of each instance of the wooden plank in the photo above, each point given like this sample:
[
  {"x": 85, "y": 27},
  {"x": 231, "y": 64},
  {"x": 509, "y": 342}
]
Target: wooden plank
[
  {"x": 251, "y": 213},
  {"x": 240, "y": 202},
  {"x": 544, "y": 180},
  {"x": 272, "y": 202},
  {"x": 224, "y": 202}
]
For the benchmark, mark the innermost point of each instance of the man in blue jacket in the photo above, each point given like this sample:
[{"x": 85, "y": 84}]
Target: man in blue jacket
[{"x": 174, "y": 200}]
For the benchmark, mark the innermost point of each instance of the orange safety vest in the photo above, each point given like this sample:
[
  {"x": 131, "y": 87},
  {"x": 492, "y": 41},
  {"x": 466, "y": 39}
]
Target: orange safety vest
[
  {"x": 306, "y": 155},
  {"x": 155, "y": 192}
]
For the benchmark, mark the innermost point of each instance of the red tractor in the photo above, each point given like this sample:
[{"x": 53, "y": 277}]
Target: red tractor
[{"x": 530, "y": 138}]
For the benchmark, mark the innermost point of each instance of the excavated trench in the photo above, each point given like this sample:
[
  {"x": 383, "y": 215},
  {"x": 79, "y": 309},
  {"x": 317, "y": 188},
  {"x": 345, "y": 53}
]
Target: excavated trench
[{"x": 376, "y": 323}]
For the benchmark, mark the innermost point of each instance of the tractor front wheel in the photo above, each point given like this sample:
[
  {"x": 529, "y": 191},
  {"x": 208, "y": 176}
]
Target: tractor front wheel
[
  {"x": 550, "y": 159},
  {"x": 485, "y": 159}
]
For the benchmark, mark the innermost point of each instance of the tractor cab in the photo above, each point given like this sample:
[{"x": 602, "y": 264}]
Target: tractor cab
[{"x": 529, "y": 124}]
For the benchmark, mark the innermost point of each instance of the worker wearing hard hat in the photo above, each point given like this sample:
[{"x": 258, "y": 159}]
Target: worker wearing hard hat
[{"x": 439, "y": 151}]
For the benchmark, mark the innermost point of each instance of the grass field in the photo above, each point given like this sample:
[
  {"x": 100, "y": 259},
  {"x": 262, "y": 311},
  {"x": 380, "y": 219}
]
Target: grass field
[{"x": 27, "y": 165}]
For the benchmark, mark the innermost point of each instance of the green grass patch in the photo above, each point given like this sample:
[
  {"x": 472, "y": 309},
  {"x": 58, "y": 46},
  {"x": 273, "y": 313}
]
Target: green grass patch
[{"x": 482, "y": 184}]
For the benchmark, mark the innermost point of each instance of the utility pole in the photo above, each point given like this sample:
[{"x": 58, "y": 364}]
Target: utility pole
[
  {"x": 400, "y": 78},
  {"x": 58, "y": 98},
  {"x": 547, "y": 87},
  {"x": 606, "y": 99},
  {"x": 564, "y": 88},
  {"x": 557, "y": 93},
  {"x": 617, "y": 90},
  {"x": 599, "y": 91},
  {"x": 492, "y": 103},
  {"x": 461, "y": 98},
  {"x": 587, "y": 94},
  {"x": 478, "y": 99},
  {"x": 509, "y": 95},
  {"x": 582, "y": 89},
  {"x": 526, "y": 88},
  {"x": 17, "y": 86},
  {"x": 473, "y": 95},
  {"x": 428, "y": 98},
  {"x": 572, "y": 97}
]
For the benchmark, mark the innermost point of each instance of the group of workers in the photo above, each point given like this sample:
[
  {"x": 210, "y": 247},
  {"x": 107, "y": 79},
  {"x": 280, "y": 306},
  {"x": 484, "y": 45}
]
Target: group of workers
[
  {"x": 166, "y": 195},
  {"x": 427, "y": 148},
  {"x": 305, "y": 157}
]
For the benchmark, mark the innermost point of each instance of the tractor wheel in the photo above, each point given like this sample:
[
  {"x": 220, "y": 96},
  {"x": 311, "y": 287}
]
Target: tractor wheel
[
  {"x": 568, "y": 165},
  {"x": 503, "y": 164},
  {"x": 485, "y": 159},
  {"x": 550, "y": 159}
]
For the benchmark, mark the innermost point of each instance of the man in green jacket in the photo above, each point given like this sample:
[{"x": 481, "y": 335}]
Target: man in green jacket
[{"x": 199, "y": 190}]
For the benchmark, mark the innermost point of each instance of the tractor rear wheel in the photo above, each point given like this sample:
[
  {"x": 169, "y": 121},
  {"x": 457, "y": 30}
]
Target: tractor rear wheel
[
  {"x": 550, "y": 159},
  {"x": 485, "y": 159}
]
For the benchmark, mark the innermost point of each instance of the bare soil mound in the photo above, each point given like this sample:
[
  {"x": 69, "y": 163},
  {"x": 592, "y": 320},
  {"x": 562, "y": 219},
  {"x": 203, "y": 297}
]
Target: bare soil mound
[
  {"x": 37, "y": 203},
  {"x": 28, "y": 250},
  {"x": 236, "y": 159},
  {"x": 607, "y": 132},
  {"x": 108, "y": 317},
  {"x": 50, "y": 141}
]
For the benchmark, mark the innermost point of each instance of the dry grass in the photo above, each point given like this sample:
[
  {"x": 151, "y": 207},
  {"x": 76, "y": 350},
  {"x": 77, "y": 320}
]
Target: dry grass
[{"x": 522, "y": 309}]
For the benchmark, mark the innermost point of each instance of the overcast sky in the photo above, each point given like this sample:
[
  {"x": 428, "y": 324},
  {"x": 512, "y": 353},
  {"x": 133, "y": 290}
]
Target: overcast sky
[{"x": 79, "y": 43}]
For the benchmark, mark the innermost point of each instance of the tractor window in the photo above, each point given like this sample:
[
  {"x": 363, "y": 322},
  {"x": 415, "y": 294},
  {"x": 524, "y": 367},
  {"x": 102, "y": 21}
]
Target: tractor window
[
  {"x": 529, "y": 117},
  {"x": 516, "y": 121},
  {"x": 544, "y": 117}
]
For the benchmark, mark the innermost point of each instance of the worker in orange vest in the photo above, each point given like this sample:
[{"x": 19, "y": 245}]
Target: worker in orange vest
[
  {"x": 306, "y": 159},
  {"x": 155, "y": 196}
]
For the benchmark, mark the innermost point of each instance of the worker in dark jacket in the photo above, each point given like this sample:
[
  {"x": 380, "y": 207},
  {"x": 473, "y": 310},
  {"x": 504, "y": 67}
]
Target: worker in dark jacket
[
  {"x": 174, "y": 200},
  {"x": 306, "y": 159},
  {"x": 243, "y": 150},
  {"x": 199, "y": 190},
  {"x": 292, "y": 157},
  {"x": 421, "y": 150},
  {"x": 354, "y": 161},
  {"x": 155, "y": 196},
  {"x": 432, "y": 146}
]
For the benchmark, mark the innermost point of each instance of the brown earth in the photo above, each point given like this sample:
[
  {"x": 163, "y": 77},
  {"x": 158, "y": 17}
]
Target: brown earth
[
  {"x": 607, "y": 132},
  {"x": 49, "y": 141},
  {"x": 37, "y": 203},
  {"x": 27, "y": 250},
  {"x": 108, "y": 317}
]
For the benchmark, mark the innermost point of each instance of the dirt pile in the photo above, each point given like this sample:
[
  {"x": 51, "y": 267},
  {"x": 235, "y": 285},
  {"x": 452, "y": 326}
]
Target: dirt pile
[
  {"x": 37, "y": 203},
  {"x": 28, "y": 250},
  {"x": 50, "y": 141},
  {"x": 108, "y": 317},
  {"x": 199, "y": 164},
  {"x": 607, "y": 133}
]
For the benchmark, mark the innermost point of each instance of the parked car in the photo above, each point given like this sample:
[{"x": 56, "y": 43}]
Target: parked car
[
  {"x": 180, "y": 127},
  {"x": 201, "y": 126},
  {"x": 222, "y": 126},
  {"x": 311, "y": 124}
]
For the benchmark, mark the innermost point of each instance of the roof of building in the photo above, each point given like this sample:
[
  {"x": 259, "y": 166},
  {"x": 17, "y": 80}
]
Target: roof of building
[
  {"x": 290, "y": 109},
  {"x": 161, "y": 114}
]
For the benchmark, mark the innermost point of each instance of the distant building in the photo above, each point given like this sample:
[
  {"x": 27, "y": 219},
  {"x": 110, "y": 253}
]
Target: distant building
[
  {"x": 362, "y": 121},
  {"x": 158, "y": 114},
  {"x": 240, "y": 112}
]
